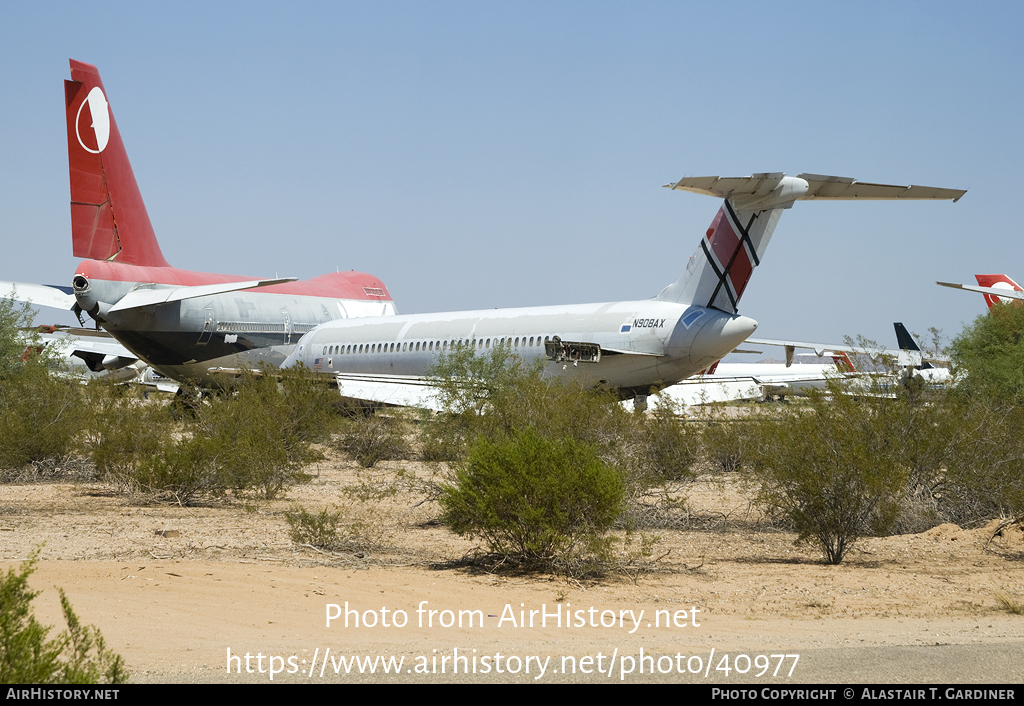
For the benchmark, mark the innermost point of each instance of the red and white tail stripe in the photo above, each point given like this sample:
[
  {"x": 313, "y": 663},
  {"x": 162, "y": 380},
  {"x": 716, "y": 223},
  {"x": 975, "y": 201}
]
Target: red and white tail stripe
[{"x": 997, "y": 282}]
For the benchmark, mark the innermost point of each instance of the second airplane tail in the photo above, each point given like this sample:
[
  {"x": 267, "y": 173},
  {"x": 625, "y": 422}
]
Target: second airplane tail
[
  {"x": 734, "y": 245},
  {"x": 108, "y": 217}
]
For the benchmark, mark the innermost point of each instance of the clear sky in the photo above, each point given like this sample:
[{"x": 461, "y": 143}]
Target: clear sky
[{"x": 487, "y": 154}]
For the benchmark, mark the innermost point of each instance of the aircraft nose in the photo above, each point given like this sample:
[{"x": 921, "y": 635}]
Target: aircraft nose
[{"x": 718, "y": 337}]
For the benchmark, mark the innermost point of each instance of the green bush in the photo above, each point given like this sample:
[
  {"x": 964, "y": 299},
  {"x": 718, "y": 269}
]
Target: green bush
[
  {"x": 988, "y": 355},
  {"x": 123, "y": 431},
  {"x": 317, "y": 530},
  {"x": 497, "y": 395},
  {"x": 536, "y": 499},
  {"x": 375, "y": 437},
  {"x": 39, "y": 405},
  {"x": 832, "y": 468},
  {"x": 77, "y": 656},
  {"x": 258, "y": 436}
]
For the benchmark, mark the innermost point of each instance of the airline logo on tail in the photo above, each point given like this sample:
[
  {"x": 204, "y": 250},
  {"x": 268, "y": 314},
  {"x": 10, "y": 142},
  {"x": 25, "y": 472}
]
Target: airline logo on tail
[
  {"x": 997, "y": 282},
  {"x": 731, "y": 254},
  {"x": 92, "y": 124}
]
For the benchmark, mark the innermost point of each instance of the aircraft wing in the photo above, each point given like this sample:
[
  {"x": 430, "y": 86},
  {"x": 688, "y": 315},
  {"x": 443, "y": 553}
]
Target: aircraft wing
[
  {"x": 49, "y": 295},
  {"x": 164, "y": 295},
  {"x": 706, "y": 389},
  {"x": 396, "y": 390},
  {"x": 993, "y": 291},
  {"x": 98, "y": 350},
  {"x": 391, "y": 390},
  {"x": 820, "y": 349}
]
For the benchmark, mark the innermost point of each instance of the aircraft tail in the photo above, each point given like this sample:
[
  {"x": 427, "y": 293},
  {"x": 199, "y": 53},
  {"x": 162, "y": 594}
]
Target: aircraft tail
[
  {"x": 843, "y": 362},
  {"x": 718, "y": 272},
  {"x": 108, "y": 217},
  {"x": 996, "y": 282},
  {"x": 906, "y": 342}
]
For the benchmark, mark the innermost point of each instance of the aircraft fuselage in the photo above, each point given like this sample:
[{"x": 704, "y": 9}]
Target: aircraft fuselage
[
  {"x": 242, "y": 328},
  {"x": 628, "y": 346}
]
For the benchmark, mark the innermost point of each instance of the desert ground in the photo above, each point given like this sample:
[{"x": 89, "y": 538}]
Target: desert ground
[{"x": 220, "y": 593}]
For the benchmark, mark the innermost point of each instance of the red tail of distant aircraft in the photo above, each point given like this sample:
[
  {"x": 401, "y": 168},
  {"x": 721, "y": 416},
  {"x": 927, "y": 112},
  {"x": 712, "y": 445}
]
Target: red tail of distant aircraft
[
  {"x": 997, "y": 282},
  {"x": 995, "y": 288}
]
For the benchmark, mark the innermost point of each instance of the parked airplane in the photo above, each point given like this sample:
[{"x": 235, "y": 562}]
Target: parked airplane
[
  {"x": 996, "y": 288},
  {"x": 908, "y": 355},
  {"x": 933, "y": 376},
  {"x": 627, "y": 346},
  {"x": 725, "y": 382},
  {"x": 181, "y": 322}
]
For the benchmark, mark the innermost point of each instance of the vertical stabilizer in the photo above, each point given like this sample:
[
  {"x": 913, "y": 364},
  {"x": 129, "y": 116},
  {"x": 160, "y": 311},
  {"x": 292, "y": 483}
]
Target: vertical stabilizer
[
  {"x": 718, "y": 272},
  {"x": 108, "y": 218},
  {"x": 997, "y": 282},
  {"x": 906, "y": 342}
]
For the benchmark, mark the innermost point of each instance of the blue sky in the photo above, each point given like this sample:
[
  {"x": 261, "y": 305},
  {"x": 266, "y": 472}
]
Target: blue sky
[{"x": 477, "y": 155}]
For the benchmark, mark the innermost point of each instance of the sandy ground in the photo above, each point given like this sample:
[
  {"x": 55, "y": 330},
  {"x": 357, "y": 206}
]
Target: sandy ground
[{"x": 185, "y": 593}]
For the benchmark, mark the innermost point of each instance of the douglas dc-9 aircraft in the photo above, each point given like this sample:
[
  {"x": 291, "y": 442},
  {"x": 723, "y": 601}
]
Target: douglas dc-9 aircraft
[
  {"x": 628, "y": 346},
  {"x": 180, "y": 322}
]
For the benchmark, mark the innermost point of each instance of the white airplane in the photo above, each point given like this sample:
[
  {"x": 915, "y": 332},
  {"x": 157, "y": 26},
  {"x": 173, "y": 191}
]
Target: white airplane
[
  {"x": 996, "y": 288},
  {"x": 628, "y": 346},
  {"x": 908, "y": 355},
  {"x": 731, "y": 382}
]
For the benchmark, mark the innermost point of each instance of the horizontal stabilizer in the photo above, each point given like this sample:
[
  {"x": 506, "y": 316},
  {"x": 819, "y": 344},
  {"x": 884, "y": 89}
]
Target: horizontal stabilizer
[
  {"x": 165, "y": 295},
  {"x": 993, "y": 291},
  {"x": 48, "y": 295},
  {"x": 773, "y": 190}
]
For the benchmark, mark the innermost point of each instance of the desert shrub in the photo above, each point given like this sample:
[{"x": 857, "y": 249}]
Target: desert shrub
[
  {"x": 988, "y": 356},
  {"x": 982, "y": 479},
  {"x": 317, "y": 530},
  {"x": 671, "y": 447},
  {"x": 257, "y": 436},
  {"x": 39, "y": 404},
  {"x": 327, "y": 530},
  {"x": 831, "y": 468},
  {"x": 183, "y": 470},
  {"x": 77, "y": 656},
  {"x": 533, "y": 498},
  {"x": 499, "y": 398},
  {"x": 375, "y": 437},
  {"x": 497, "y": 395},
  {"x": 122, "y": 430}
]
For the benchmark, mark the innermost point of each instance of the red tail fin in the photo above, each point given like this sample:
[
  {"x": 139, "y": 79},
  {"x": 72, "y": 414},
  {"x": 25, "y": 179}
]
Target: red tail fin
[
  {"x": 108, "y": 218},
  {"x": 996, "y": 282},
  {"x": 843, "y": 362}
]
